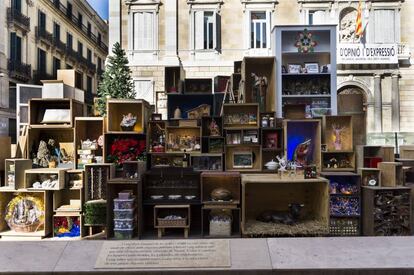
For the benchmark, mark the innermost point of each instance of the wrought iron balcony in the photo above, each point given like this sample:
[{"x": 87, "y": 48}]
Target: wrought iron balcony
[
  {"x": 39, "y": 75},
  {"x": 19, "y": 70},
  {"x": 91, "y": 67},
  {"x": 59, "y": 45},
  {"x": 71, "y": 53},
  {"x": 44, "y": 35},
  {"x": 18, "y": 19},
  {"x": 79, "y": 25},
  {"x": 404, "y": 52}
]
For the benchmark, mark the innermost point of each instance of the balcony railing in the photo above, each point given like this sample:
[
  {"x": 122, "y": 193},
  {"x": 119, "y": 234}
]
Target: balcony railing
[
  {"x": 79, "y": 25},
  {"x": 16, "y": 17},
  {"x": 404, "y": 52},
  {"x": 39, "y": 75},
  {"x": 19, "y": 70},
  {"x": 44, "y": 35},
  {"x": 59, "y": 44},
  {"x": 91, "y": 67}
]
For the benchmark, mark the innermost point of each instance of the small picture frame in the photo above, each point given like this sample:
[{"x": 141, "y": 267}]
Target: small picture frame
[
  {"x": 243, "y": 159},
  {"x": 324, "y": 147},
  {"x": 310, "y": 172},
  {"x": 156, "y": 117},
  {"x": 312, "y": 67},
  {"x": 294, "y": 68}
]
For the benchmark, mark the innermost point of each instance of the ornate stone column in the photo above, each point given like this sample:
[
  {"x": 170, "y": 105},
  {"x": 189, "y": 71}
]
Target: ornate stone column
[
  {"x": 395, "y": 102},
  {"x": 377, "y": 103}
]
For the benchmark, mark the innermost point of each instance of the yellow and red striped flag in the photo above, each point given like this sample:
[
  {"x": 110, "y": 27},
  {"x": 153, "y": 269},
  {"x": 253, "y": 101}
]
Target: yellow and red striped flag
[{"x": 359, "y": 31}]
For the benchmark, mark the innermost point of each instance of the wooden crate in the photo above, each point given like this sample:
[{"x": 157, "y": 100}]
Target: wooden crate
[
  {"x": 88, "y": 128},
  {"x": 33, "y": 175},
  {"x": 407, "y": 151},
  {"x": 177, "y": 133},
  {"x": 132, "y": 168},
  {"x": 157, "y": 160},
  {"x": 115, "y": 186},
  {"x": 46, "y": 229},
  {"x": 16, "y": 168},
  {"x": 101, "y": 172},
  {"x": 337, "y": 133},
  {"x": 116, "y": 108},
  {"x": 294, "y": 111},
  {"x": 261, "y": 66},
  {"x": 68, "y": 200},
  {"x": 262, "y": 192},
  {"x": 344, "y": 186},
  {"x": 370, "y": 174},
  {"x": 368, "y": 156},
  {"x": 5, "y": 150},
  {"x": 163, "y": 210},
  {"x": 386, "y": 223},
  {"x": 227, "y": 180},
  {"x": 299, "y": 131},
  {"x": 198, "y": 86},
  {"x": 156, "y": 136},
  {"x": 63, "y": 136},
  {"x": 233, "y": 153},
  {"x": 206, "y": 162},
  {"x": 345, "y": 161},
  {"x": 38, "y": 106},
  {"x": 391, "y": 174},
  {"x": 243, "y": 116},
  {"x": 75, "y": 217},
  {"x": 232, "y": 210}
]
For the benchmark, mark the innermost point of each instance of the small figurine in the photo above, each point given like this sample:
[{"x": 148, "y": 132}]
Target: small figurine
[
  {"x": 214, "y": 128},
  {"x": 282, "y": 163},
  {"x": 128, "y": 122},
  {"x": 177, "y": 113},
  {"x": 337, "y": 136},
  {"x": 301, "y": 152}
]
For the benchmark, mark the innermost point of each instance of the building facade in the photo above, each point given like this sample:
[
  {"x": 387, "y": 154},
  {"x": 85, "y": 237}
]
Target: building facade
[
  {"x": 205, "y": 37},
  {"x": 42, "y": 36}
]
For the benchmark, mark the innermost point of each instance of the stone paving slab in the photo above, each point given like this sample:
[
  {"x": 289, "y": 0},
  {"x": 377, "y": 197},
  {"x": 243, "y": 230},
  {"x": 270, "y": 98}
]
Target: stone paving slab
[{"x": 359, "y": 253}]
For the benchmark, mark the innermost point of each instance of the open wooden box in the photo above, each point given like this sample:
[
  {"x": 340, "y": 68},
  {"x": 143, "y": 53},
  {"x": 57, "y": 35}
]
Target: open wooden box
[
  {"x": 44, "y": 230},
  {"x": 68, "y": 200},
  {"x": 337, "y": 133},
  {"x": 14, "y": 173},
  {"x": 206, "y": 162},
  {"x": 227, "y": 180},
  {"x": 88, "y": 128},
  {"x": 338, "y": 161},
  {"x": 297, "y": 133},
  {"x": 368, "y": 156},
  {"x": 96, "y": 179},
  {"x": 391, "y": 174},
  {"x": 73, "y": 218},
  {"x": 62, "y": 136},
  {"x": 117, "y": 108},
  {"x": 406, "y": 151},
  {"x": 38, "y": 107},
  {"x": 34, "y": 175},
  {"x": 244, "y": 115},
  {"x": 244, "y": 158},
  {"x": 368, "y": 174},
  {"x": 262, "y": 192},
  {"x": 180, "y": 138},
  {"x": 220, "y": 229},
  {"x": 261, "y": 66}
]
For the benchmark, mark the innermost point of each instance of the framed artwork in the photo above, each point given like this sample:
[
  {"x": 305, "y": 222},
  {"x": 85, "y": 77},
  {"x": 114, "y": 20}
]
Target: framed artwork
[
  {"x": 243, "y": 159},
  {"x": 312, "y": 68},
  {"x": 294, "y": 68}
]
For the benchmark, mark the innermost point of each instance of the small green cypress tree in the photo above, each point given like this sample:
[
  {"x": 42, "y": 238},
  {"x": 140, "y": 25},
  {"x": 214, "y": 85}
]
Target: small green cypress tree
[{"x": 116, "y": 79}]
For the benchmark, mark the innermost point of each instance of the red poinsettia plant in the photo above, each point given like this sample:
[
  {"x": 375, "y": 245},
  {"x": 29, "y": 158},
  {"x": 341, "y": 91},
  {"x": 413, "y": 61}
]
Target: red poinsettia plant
[{"x": 124, "y": 149}]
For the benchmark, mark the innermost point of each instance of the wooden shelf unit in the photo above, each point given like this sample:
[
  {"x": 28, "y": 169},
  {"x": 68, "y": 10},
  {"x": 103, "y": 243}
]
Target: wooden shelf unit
[
  {"x": 38, "y": 106},
  {"x": 233, "y": 210},
  {"x": 391, "y": 174},
  {"x": 343, "y": 132},
  {"x": 344, "y": 224},
  {"x": 88, "y": 128},
  {"x": 262, "y": 192},
  {"x": 117, "y": 108},
  {"x": 45, "y": 230},
  {"x": 227, "y": 180},
  {"x": 172, "y": 132},
  {"x": 74, "y": 216},
  {"x": 206, "y": 162},
  {"x": 368, "y": 156},
  {"x": 250, "y": 111},
  {"x": 102, "y": 172},
  {"x": 33, "y": 175},
  {"x": 368, "y": 174},
  {"x": 15, "y": 168}
]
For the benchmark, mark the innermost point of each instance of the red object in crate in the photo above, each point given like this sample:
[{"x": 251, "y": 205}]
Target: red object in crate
[{"x": 372, "y": 162}]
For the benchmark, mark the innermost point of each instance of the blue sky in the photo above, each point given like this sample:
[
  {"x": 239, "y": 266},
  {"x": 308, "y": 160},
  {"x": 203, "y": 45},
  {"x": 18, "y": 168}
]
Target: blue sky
[{"x": 101, "y": 7}]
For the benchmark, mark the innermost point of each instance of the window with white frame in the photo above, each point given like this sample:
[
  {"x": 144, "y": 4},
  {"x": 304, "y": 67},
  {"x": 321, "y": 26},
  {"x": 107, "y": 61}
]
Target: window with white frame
[
  {"x": 317, "y": 17},
  {"x": 144, "y": 89},
  {"x": 144, "y": 31},
  {"x": 206, "y": 30},
  {"x": 259, "y": 29},
  {"x": 385, "y": 30}
]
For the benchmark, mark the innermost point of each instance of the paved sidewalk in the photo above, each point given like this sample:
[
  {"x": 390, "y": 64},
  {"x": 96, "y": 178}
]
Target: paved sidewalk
[{"x": 362, "y": 255}]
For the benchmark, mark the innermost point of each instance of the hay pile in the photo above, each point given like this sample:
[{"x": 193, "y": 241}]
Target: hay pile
[{"x": 255, "y": 228}]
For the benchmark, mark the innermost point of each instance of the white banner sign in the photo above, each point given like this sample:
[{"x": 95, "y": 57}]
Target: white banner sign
[{"x": 367, "y": 54}]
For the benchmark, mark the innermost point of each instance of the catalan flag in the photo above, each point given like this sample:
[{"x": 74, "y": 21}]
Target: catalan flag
[{"x": 359, "y": 31}]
